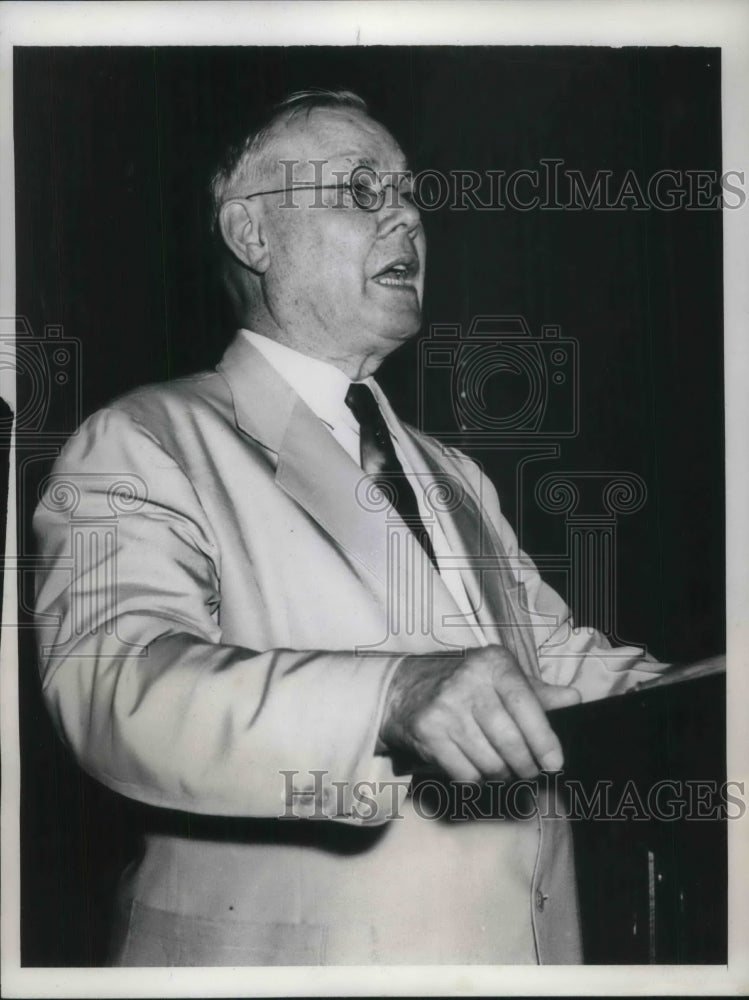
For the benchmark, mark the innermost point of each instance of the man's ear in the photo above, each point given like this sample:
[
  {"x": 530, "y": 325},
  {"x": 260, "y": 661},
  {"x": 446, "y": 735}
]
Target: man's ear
[{"x": 243, "y": 232}]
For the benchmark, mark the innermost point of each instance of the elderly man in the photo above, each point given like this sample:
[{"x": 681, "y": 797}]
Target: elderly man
[{"x": 264, "y": 647}]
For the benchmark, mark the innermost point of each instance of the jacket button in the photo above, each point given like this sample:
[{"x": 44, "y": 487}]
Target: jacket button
[{"x": 541, "y": 898}]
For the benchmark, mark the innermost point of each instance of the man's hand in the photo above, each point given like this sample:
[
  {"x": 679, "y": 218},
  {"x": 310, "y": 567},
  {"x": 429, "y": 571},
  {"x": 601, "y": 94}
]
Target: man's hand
[{"x": 476, "y": 718}]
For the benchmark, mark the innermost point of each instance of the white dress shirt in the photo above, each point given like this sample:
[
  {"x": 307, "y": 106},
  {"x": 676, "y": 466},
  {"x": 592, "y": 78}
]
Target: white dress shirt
[{"x": 323, "y": 388}]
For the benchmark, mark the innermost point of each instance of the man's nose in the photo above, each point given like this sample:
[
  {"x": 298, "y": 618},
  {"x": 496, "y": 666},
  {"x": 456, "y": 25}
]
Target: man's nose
[{"x": 398, "y": 210}]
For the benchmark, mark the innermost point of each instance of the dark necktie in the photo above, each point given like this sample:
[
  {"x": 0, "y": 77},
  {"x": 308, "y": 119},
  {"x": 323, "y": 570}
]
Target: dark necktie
[{"x": 379, "y": 460}]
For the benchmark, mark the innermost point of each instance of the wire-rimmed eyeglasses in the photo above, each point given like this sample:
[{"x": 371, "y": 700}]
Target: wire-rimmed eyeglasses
[{"x": 367, "y": 191}]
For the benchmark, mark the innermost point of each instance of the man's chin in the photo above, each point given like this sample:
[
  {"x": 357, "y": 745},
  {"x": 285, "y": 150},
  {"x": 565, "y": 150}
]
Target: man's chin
[
  {"x": 398, "y": 334},
  {"x": 401, "y": 324}
]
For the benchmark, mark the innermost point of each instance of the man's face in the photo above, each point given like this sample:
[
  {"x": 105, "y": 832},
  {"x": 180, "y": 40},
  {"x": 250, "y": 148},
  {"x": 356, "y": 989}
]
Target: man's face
[{"x": 341, "y": 280}]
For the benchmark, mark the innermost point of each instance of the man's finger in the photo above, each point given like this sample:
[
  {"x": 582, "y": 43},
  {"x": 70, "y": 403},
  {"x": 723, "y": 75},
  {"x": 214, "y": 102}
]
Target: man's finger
[
  {"x": 523, "y": 705},
  {"x": 453, "y": 761},
  {"x": 482, "y": 754},
  {"x": 505, "y": 735}
]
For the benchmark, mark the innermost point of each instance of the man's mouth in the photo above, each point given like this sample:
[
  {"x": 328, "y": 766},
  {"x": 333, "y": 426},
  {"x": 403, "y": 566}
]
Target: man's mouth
[{"x": 399, "y": 273}]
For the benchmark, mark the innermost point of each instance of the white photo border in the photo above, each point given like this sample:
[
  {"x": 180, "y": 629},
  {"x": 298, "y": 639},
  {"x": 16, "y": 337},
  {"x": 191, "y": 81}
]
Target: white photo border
[{"x": 720, "y": 23}]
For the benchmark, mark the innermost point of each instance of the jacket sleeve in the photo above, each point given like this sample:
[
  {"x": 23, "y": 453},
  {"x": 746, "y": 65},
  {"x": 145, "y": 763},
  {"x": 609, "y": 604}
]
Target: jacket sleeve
[
  {"x": 135, "y": 673},
  {"x": 567, "y": 654}
]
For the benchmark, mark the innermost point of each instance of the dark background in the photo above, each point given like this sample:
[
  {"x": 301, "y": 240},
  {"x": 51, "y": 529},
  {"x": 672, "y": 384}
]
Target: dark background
[{"x": 112, "y": 149}]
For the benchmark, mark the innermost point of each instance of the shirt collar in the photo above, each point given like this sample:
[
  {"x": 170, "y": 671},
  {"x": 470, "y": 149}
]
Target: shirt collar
[{"x": 322, "y": 386}]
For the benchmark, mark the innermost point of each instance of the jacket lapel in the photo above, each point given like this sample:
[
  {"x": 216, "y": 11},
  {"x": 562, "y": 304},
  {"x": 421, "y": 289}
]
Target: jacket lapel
[
  {"x": 321, "y": 477},
  {"x": 312, "y": 468},
  {"x": 490, "y": 584},
  {"x": 463, "y": 527}
]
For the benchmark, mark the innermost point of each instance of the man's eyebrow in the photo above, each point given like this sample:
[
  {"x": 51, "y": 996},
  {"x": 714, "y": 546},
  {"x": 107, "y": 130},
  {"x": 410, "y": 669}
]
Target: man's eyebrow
[{"x": 363, "y": 160}]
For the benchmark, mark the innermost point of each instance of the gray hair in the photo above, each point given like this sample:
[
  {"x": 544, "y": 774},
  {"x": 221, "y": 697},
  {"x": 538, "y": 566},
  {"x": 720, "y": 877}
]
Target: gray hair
[{"x": 242, "y": 156}]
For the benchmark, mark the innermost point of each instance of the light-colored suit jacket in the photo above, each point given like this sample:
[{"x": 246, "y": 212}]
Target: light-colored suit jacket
[{"x": 225, "y": 606}]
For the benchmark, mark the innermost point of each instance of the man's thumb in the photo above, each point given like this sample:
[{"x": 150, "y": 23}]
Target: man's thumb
[{"x": 557, "y": 696}]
